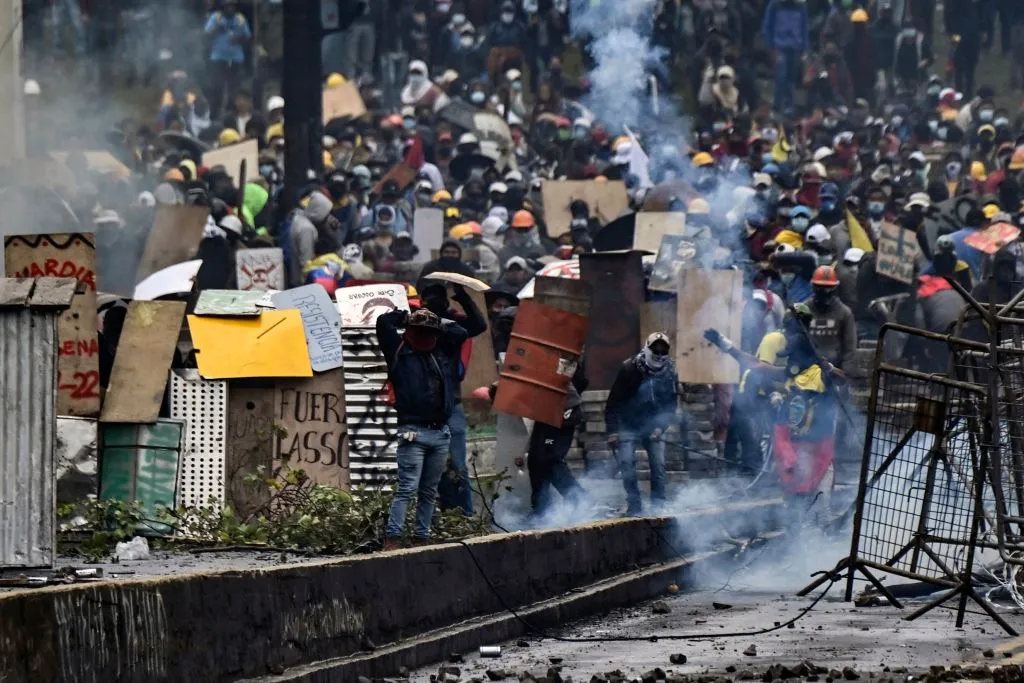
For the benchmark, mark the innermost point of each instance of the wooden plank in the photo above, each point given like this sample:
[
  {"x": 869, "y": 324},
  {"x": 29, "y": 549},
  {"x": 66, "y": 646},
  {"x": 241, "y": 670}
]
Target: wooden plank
[
  {"x": 607, "y": 200},
  {"x": 71, "y": 255},
  {"x": 54, "y": 292},
  {"x": 707, "y": 299},
  {"x": 144, "y": 354},
  {"x": 15, "y": 291},
  {"x": 312, "y": 413},
  {"x": 250, "y": 444},
  {"x": 175, "y": 237}
]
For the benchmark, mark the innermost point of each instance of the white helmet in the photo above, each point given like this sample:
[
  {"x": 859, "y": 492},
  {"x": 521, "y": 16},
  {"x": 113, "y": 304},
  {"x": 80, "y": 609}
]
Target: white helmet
[
  {"x": 231, "y": 223},
  {"x": 32, "y": 87},
  {"x": 274, "y": 103}
]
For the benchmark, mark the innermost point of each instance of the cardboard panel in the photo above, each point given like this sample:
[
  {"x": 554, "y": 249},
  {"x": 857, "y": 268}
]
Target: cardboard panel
[
  {"x": 271, "y": 345},
  {"x": 250, "y": 443},
  {"x": 898, "y": 251},
  {"x": 427, "y": 230},
  {"x": 144, "y": 355},
  {"x": 708, "y": 298},
  {"x": 483, "y": 369},
  {"x": 993, "y": 238},
  {"x": 606, "y": 200},
  {"x": 320, "y": 321},
  {"x": 232, "y": 156},
  {"x": 260, "y": 269},
  {"x": 652, "y": 227},
  {"x": 312, "y": 412},
  {"x": 616, "y": 284},
  {"x": 175, "y": 237},
  {"x": 231, "y": 302},
  {"x": 361, "y": 306},
  {"x": 71, "y": 255},
  {"x": 341, "y": 101}
]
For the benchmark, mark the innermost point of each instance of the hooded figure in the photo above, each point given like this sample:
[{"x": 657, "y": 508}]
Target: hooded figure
[
  {"x": 255, "y": 208},
  {"x": 449, "y": 260},
  {"x": 310, "y": 236},
  {"x": 639, "y": 410},
  {"x": 419, "y": 91}
]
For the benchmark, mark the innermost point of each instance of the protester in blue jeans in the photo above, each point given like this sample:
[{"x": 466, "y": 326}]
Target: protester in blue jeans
[
  {"x": 434, "y": 295},
  {"x": 641, "y": 406},
  {"x": 785, "y": 33},
  {"x": 422, "y": 367}
]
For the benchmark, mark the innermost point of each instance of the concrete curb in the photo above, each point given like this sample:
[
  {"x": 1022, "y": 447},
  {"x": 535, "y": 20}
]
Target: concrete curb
[
  {"x": 234, "y": 625},
  {"x": 621, "y": 591}
]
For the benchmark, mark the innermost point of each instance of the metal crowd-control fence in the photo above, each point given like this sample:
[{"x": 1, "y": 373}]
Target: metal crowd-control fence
[
  {"x": 919, "y": 508},
  {"x": 1003, "y": 328}
]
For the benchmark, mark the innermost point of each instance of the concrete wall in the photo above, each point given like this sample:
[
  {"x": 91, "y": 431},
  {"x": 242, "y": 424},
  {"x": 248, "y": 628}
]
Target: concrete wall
[{"x": 231, "y": 625}]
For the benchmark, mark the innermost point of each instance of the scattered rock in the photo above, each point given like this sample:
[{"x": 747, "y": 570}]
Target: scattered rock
[
  {"x": 522, "y": 643},
  {"x": 673, "y": 588},
  {"x": 988, "y": 654},
  {"x": 721, "y": 605},
  {"x": 496, "y": 674},
  {"x": 850, "y": 674},
  {"x": 660, "y": 607},
  {"x": 746, "y": 675},
  {"x": 455, "y": 658},
  {"x": 597, "y": 679},
  {"x": 653, "y": 676},
  {"x": 677, "y": 659},
  {"x": 555, "y": 660},
  {"x": 730, "y": 669},
  {"x": 403, "y": 672},
  {"x": 751, "y": 651}
]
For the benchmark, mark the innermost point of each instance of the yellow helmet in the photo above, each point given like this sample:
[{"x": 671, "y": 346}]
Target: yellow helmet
[
  {"x": 275, "y": 131},
  {"x": 703, "y": 159},
  {"x": 228, "y": 136},
  {"x": 335, "y": 80},
  {"x": 441, "y": 196},
  {"x": 859, "y": 16},
  {"x": 698, "y": 206},
  {"x": 978, "y": 171},
  {"x": 459, "y": 231}
]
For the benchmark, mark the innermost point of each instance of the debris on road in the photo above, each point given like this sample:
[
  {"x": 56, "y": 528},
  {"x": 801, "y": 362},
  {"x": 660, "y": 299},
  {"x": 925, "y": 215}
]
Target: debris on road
[
  {"x": 751, "y": 651},
  {"x": 660, "y": 607},
  {"x": 677, "y": 659}
]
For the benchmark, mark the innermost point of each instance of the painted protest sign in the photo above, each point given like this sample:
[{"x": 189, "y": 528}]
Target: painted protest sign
[
  {"x": 676, "y": 252},
  {"x": 70, "y": 255},
  {"x": 897, "y": 253},
  {"x": 260, "y": 269},
  {"x": 361, "y": 306},
  {"x": 993, "y": 238},
  {"x": 312, "y": 413},
  {"x": 320, "y": 320},
  {"x": 606, "y": 199}
]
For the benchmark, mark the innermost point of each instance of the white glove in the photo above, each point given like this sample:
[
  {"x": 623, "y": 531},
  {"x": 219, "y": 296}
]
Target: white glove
[{"x": 777, "y": 399}]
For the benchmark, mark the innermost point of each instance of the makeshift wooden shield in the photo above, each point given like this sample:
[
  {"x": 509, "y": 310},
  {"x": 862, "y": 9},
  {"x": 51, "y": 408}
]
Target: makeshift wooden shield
[
  {"x": 343, "y": 101},
  {"x": 898, "y": 252},
  {"x": 606, "y": 199},
  {"x": 616, "y": 282},
  {"x": 707, "y": 299}
]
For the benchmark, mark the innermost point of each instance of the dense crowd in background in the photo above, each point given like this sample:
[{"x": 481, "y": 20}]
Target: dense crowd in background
[{"x": 810, "y": 126}]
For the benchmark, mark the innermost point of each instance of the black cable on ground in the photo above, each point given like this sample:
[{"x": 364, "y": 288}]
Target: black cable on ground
[{"x": 833, "y": 575}]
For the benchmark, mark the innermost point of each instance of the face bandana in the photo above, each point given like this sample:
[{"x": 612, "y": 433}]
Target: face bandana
[
  {"x": 653, "y": 361},
  {"x": 421, "y": 339}
]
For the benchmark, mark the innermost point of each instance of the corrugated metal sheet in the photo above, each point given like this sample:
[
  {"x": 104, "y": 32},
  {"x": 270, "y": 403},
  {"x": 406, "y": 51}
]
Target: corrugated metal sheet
[
  {"x": 372, "y": 423},
  {"x": 28, "y": 378}
]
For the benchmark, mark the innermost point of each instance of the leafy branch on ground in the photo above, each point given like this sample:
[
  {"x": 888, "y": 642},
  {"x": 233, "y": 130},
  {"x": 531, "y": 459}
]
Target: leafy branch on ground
[{"x": 298, "y": 515}]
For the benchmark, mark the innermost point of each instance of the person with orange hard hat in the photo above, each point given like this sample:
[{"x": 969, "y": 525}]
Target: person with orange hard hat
[{"x": 833, "y": 329}]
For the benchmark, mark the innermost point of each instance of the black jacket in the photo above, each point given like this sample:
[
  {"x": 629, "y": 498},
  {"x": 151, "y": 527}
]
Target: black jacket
[
  {"x": 641, "y": 403},
  {"x": 412, "y": 372}
]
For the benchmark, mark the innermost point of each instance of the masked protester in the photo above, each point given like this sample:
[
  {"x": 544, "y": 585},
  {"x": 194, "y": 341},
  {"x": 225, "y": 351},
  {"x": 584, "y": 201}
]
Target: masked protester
[
  {"x": 423, "y": 370},
  {"x": 313, "y": 232},
  {"x": 434, "y": 296},
  {"x": 832, "y": 328},
  {"x": 803, "y": 397},
  {"x": 419, "y": 91},
  {"x": 640, "y": 409}
]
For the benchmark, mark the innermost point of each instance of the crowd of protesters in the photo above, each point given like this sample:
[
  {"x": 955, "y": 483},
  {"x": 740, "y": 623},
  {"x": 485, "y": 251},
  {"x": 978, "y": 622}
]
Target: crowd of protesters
[{"x": 792, "y": 174}]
